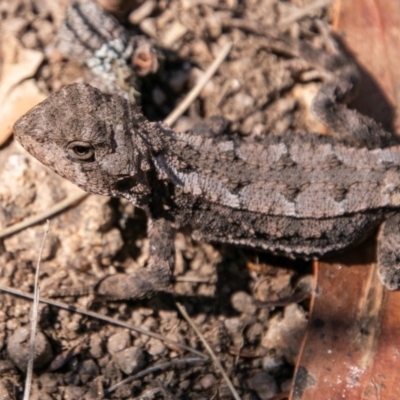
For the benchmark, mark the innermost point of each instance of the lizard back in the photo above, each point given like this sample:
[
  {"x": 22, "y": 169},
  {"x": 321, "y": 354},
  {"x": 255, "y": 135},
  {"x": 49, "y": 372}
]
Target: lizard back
[{"x": 297, "y": 175}]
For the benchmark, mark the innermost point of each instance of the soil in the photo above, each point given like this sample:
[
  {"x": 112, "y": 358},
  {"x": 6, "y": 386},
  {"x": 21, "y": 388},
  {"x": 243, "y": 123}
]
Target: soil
[{"x": 261, "y": 93}]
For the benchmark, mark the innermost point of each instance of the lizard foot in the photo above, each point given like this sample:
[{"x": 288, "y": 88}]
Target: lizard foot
[
  {"x": 138, "y": 285},
  {"x": 389, "y": 253}
]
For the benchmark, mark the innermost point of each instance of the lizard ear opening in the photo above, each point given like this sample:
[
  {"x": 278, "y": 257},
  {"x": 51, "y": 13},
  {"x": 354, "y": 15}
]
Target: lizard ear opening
[{"x": 80, "y": 151}]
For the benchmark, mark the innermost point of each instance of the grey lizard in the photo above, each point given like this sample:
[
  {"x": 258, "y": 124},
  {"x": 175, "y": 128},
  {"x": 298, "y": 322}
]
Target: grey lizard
[{"x": 302, "y": 195}]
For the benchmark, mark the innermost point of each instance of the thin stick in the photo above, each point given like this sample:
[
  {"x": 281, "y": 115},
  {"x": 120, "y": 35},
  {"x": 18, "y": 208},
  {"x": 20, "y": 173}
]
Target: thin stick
[
  {"x": 153, "y": 369},
  {"x": 191, "y": 96},
  {"x": 182, "y": 310},
  {"x": 35, "y": 219},
  {"x": 92, "y": 314},
  {"x": 34, "y": 315}
]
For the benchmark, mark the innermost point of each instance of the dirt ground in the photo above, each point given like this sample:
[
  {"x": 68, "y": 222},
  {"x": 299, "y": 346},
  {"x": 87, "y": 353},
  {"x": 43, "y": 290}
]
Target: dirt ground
[{"x": 261, "y": 92}]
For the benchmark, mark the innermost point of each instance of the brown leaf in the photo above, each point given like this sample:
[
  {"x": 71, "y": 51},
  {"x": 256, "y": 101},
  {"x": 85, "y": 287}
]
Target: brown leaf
[
  {"x": 20, "y": 100},
  {"x": 350, "y": 348},
  {"x": 17, "y": 94},
  {"x": 370, "y": 31}
]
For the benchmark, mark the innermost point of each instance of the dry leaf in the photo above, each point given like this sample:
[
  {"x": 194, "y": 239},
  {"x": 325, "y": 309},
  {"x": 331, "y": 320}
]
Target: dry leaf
[
  {"x": 18, "y": 102},
  {"x": 350, "y": 350},
  {"x": 17, "y": 94}
]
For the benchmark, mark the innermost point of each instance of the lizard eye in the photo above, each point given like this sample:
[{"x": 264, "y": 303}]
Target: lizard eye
[{"x": 80, "y": 151}]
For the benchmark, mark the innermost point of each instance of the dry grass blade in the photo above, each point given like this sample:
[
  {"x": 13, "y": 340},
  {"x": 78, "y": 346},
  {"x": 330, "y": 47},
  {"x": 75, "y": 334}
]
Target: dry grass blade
[
  {"x": 155, "y": 368},
  {"x": 113, "y": 321},
  {"x": 35, "y": 219},
  {"x": 210, "y": 351},
  {"x": 35, "y": 308}
]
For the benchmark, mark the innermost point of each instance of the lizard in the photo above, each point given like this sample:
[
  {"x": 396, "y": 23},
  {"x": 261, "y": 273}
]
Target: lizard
[{"x": 299, "y": 194}]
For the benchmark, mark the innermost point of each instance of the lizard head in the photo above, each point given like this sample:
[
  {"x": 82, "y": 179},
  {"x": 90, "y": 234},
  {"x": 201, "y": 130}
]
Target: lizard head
[{"x": 93, "y": 139}]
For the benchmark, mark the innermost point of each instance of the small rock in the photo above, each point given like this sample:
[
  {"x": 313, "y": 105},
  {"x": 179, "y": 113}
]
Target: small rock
[
  {"x": 30, "y": 40},
  {"x": 264, "y": 385},
  {"x": 73, "y": 393},
  {"x": 244, "y": 101},
  {"x": 148, "y": 27},
  {"x": 118, "y": 342},
  {"x": 14, "y": 26},
  {"x": 254, "y": 332},
  {"x": 130, "y": 359},
  {"x": 18, "y": 349},
  {"x": 96, "y": 390},
  {"x": 45, "y": 32},
  {"x": 118, "y": 8},
  {"x": 38, "y": 394},
  {"x": 214, "y": 25},
  {"x": 285, "y": 333},
  {"x": 88, "y": 370},
  {"x": 176, "y": 337},
  {"x": 243, "y": 303},
  {"x": 7, "y": 389},
  {"x": 155, "y": 347},
  {"x": 12, "y": 324},
  {"x": 141, "y": 12},
  {"x": 272, "y": 363},
  {"x": 175, "y": 32},
  {"x": 96, "y": 346},
  {"x": 233, "y": 325},
  {"x": 6, "y": 366},
  {"x": 112, "y": 372},
  {"x": 48, "y": 383},
  {"x": 207, "y": 381}
]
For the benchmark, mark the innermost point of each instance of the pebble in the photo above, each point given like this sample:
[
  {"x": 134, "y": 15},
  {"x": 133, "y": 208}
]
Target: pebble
[
  {"x": 88, "y": 370},
  {"x": 96, "y": 346},
  {"x": 142, "y": 12},
  {"x": 118, "y": 342},
  {"x": 272, "y": 363},
  {"x": 286, "y": 332},
  {"x": 130, "y": 359},
  {"x": 254, "y": 332},
  {"x": 243, "y": 303},
  {"x": 208, "y": 381},
  {"x": 233, "y": 325},
  {"x": 155, "y": 347},
  {"x": 73, "y": 393},
  {"x": 264, "y": 385},
  {"x": 18, "y": 349}
]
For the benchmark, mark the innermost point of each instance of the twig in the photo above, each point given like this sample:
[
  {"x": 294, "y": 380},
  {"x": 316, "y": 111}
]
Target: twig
[
  {"x": 191, "y": 96},
  {"x": 182, "y": 310},
  {"x": 92, "y": 314},
  {"x": 34, "y": 315},
  {"x": 35, "y": 219},
  {"x": 155, "y": 368}
]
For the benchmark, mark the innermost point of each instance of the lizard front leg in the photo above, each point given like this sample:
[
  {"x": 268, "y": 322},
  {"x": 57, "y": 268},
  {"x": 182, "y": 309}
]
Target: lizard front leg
[
  {"x": 389, "y": 252},
  {"x": 156, "y": 277}
]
